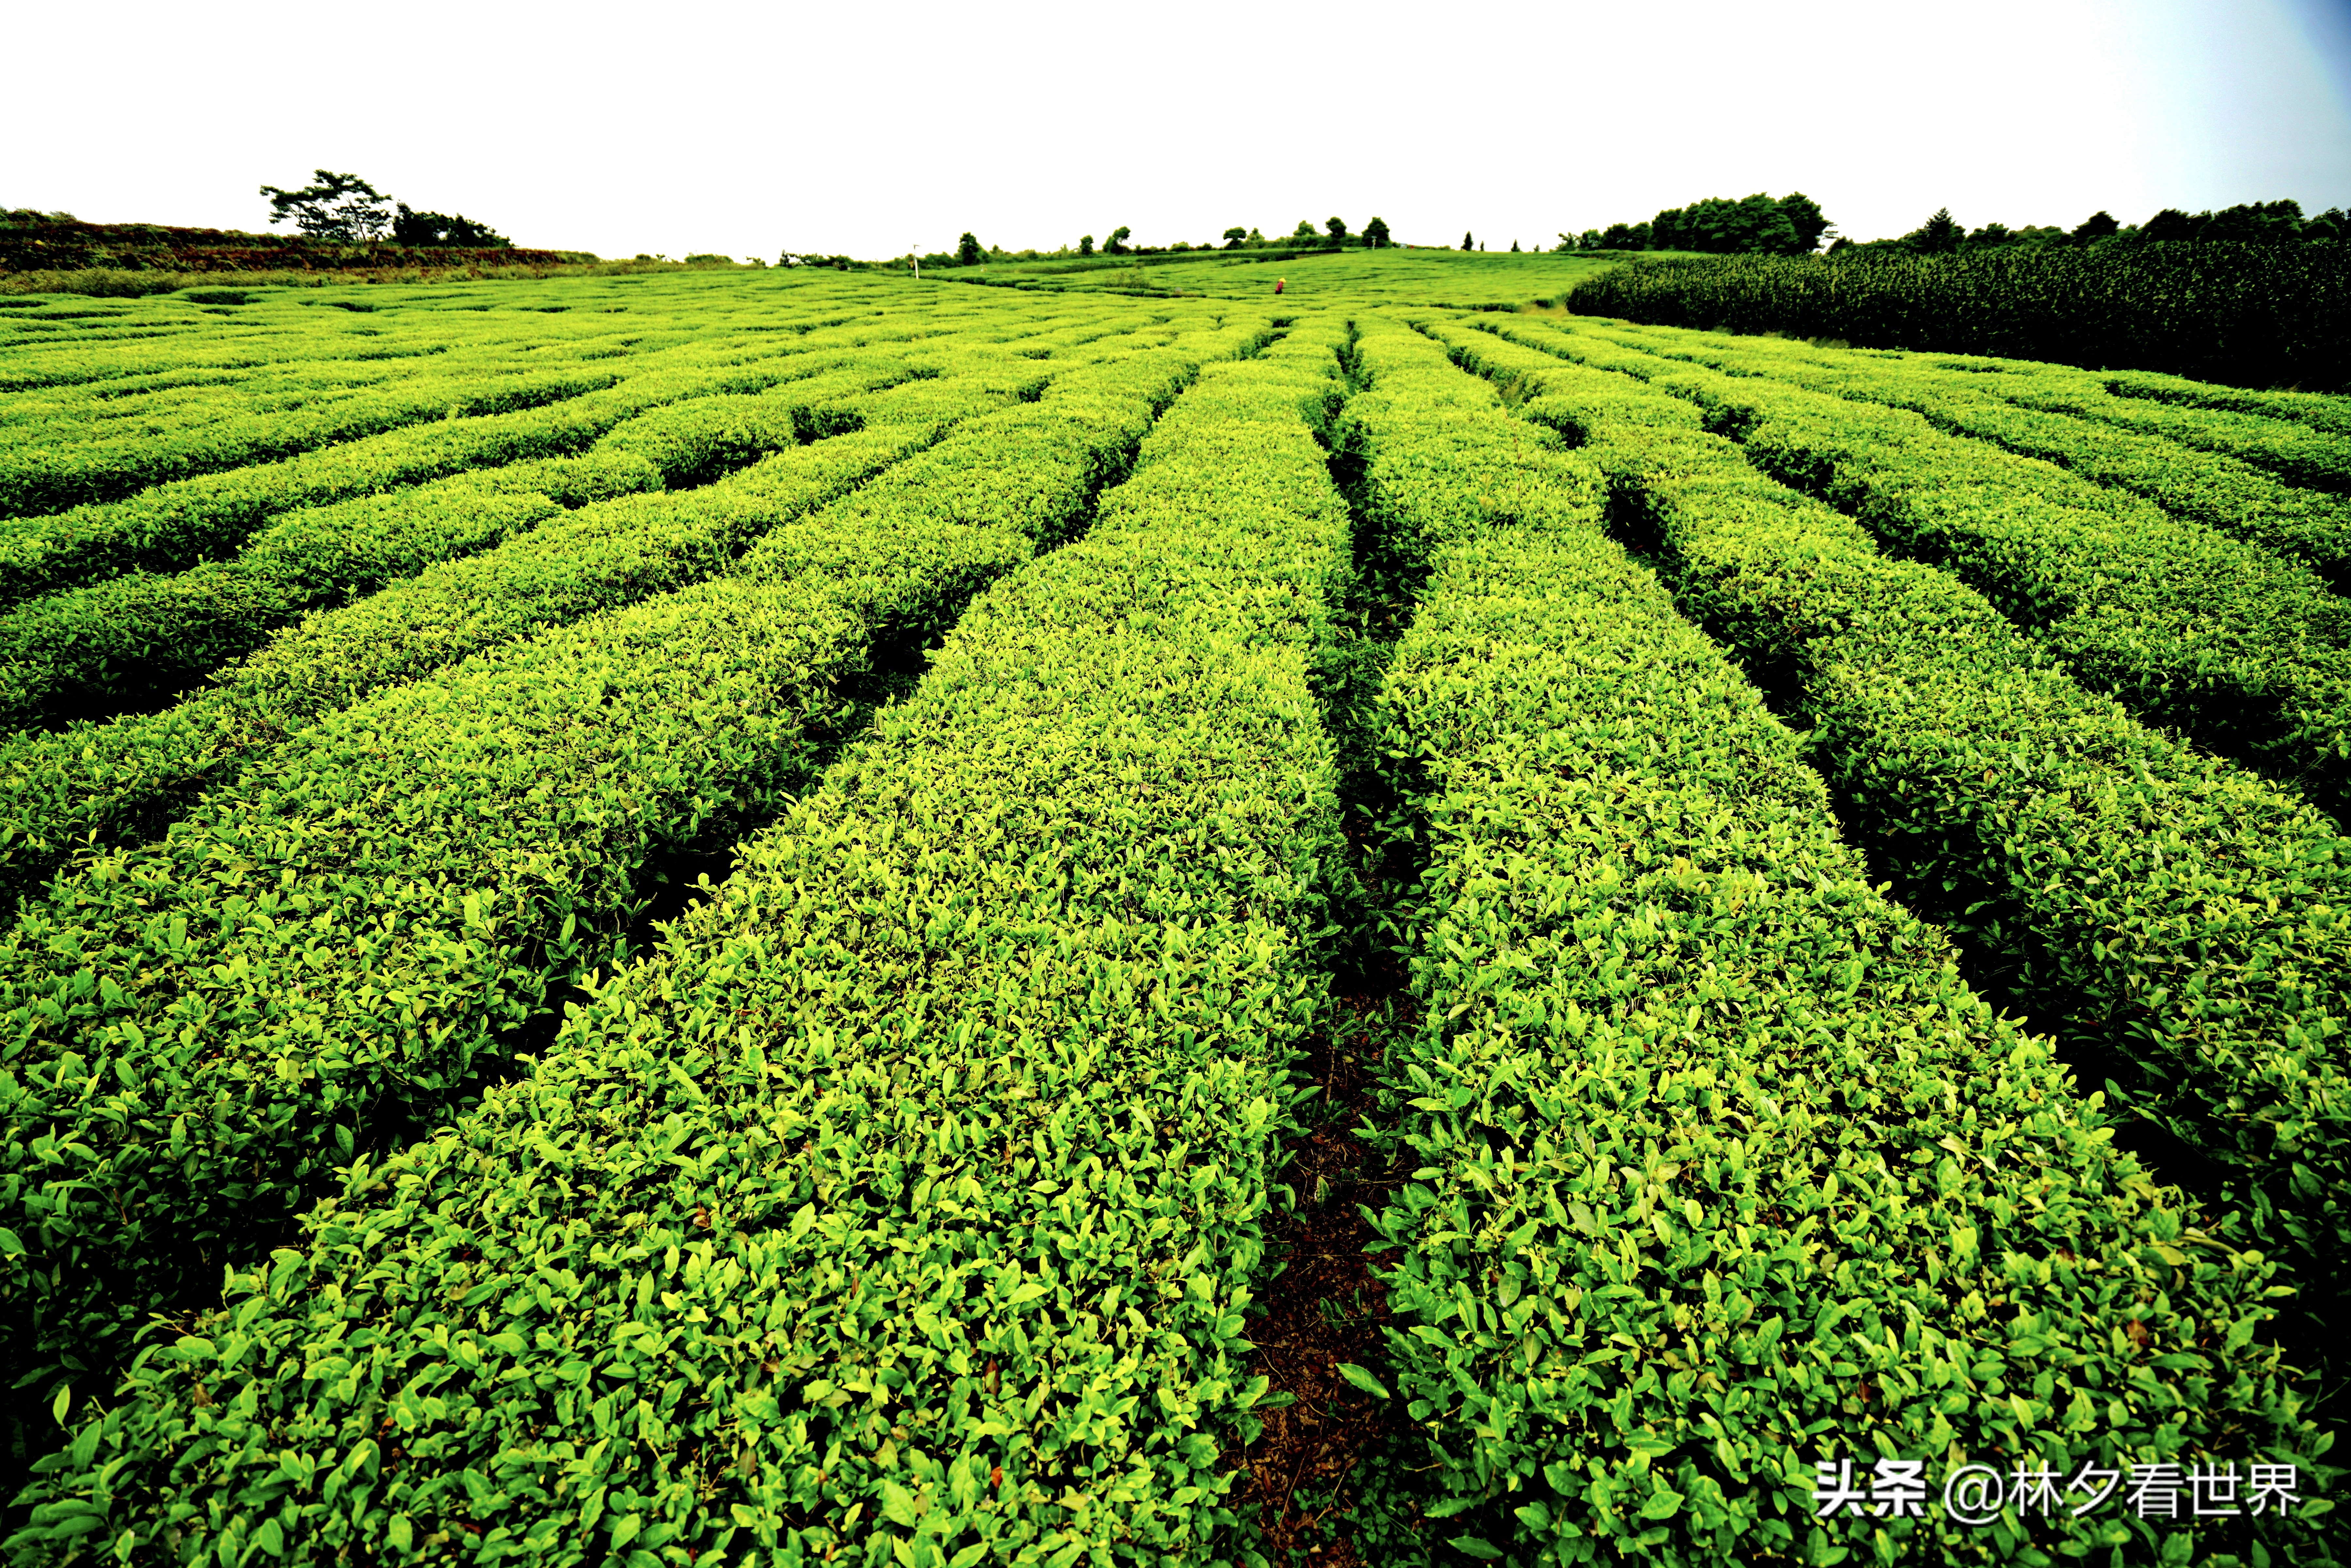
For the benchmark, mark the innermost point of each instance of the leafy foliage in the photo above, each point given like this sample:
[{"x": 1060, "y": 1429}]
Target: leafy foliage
[
  {"x": 339, "y": 207},
  {"x": 2250, "y": 654},
  {"x": 2245, "y": 314},
  {"x": 1058, "y": 1186},
  {"x": 1973, "y": 764},
  {"x": 907, "y": 1202},
  {"x": 1710, "y": 1178},
  {"x": 412, "y": 228}
]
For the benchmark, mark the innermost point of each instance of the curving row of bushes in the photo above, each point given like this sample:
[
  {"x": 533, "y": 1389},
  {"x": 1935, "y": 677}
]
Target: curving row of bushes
[
  {"x": 903, "y": 1204},
  {"x": 2241, "y": 650},
  {"x": 173, "y": 525},
  {"x": 79, "y": 653},
  {"x": 349, "y": 935},
  {"x": 96, "y": 785},
  {"x": 2041, "y": 412},
  {"x": 1718, "y": 1168},
  {"x": 157, "y": 445},
  {"x": 2146, "y": 900}
]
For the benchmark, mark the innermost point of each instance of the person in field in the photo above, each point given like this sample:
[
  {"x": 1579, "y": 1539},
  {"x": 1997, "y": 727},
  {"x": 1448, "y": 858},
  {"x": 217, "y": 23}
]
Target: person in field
[{"x": 1278, "y": 284}]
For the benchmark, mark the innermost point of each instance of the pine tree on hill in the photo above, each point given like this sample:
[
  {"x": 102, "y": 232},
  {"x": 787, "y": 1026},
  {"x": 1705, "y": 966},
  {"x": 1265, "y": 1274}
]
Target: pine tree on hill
[{"x": 1939, "y": 235}]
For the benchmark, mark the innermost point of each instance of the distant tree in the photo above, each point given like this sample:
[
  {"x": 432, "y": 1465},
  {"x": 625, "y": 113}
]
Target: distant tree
[
  {"x": 1085, "y": 245},
  {"x": 1466, "y": 243},
  {"x": 410, "y": 226},
  {"x": 1514, "y": 247},
  {"x": 1752, "y": 225},
  {"x": 2097, "y": 225},
  {"x": 2170, "y": 223},
  {"x": 1236, "y": 237},
  {"x": 339, "y": 207},
  {"x": 1116, "y": 243},
  {"x": 1989, "y": 236},
  {"x": 967, "y": 251},
  {"x": 2333, "y": 224},
  {"x": 1305, "y": 229},
  {"x": 1938, "y": 235},
  {"x": 1375, "y": 233},
  {"x": 1255, "y": 237},
  {"x": 1338, "y": 227},
  {"x": 1804, "y": 215},
  {"x": 1756, "y": 224}
]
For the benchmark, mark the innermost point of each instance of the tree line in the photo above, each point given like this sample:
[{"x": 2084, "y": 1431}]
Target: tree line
[
  {"x": 1793, "y": 225},
  {"x": 2274, "y": 223},
  {"x": 1333, "y": 233}
]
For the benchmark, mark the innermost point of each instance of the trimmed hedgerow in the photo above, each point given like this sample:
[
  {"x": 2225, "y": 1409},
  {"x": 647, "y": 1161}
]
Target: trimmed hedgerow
[
  {"x": 53, "y": 476},
  {"x": 326, "y": 948},
  {"x": 904, "y": 1204},
  {"x": 2241, "y": 650},
  {"x": 2008, "y": 404},
  {"x": 1719, "y": 1170},
  {"x": 98, "y": 785},
  {"x": 173, "y": 526},
  {"x": 2142, "y": 896},
  {"x": 69, "y": 653}
]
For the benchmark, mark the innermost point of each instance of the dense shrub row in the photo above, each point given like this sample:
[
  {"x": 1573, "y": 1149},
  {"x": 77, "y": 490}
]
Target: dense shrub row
[
  {"x": 106, "y": 783},
  {"x": 79, "y": 653},
  {"x": 2189, "y": 627},
  {"x": 2146, "y": 900},
  {"x": 2244, "y": 314},
  {"x": 173, "y": 526},
  {"x": 2177, "y": 457},
  {"x": 2319, "y": 410},
  {"x": 314, "y": 957},
  {"x": 904, "y": 1203},
  {"x": 56, "y": 476},
  {"x": 1720, "y": 1170},
  {"x": 2299, "y": 439}
]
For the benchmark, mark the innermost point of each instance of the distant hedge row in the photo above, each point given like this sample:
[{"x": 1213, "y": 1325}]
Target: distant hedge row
[
  {"x": 33, "y": 242},
  {"x": 2249, "y": 315}
]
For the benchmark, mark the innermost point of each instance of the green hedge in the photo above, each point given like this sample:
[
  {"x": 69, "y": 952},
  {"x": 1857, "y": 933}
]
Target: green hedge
[
  {"x": 2312, "y": 446},
  {"x": 2241, "y": 650},
  {"x": 903, "y": 1206},
  {"x": 2143, "y": 897},
  {"x": 167, "y": 362},
  {"x": 1718, "y": 1169},
  {"x": 93, "y": 786},
  {"x": 74, "y": 654},
  {"x": 2322, "y": 411},
  {"x": 1987, "y": 401},
  {"x": 323, "y": 949},
  {"x": 173, "y": 526},
  {"x": 52, "y": 476}
]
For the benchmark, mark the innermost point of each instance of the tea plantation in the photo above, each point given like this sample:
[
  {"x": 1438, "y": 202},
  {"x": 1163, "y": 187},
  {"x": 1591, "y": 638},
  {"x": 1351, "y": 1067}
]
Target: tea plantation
[{"x": 732, "y": 918}]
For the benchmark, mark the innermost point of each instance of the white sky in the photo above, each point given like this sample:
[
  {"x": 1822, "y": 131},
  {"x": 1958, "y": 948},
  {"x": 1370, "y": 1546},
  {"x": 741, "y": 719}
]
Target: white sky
[{"x": 748, "y": 128}]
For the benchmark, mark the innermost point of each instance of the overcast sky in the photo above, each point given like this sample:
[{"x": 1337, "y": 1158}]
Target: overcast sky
[{"x": 749, "y": 128}]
